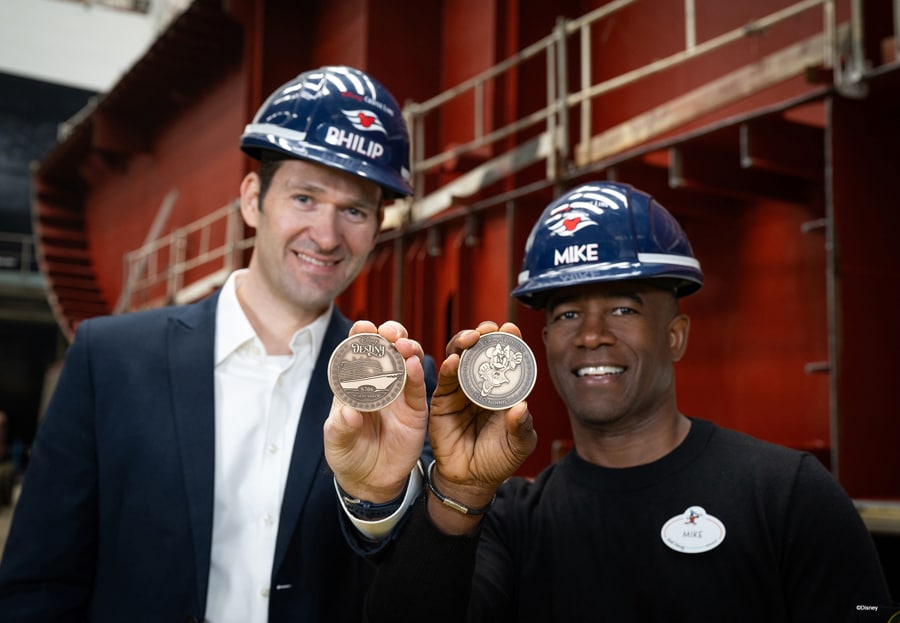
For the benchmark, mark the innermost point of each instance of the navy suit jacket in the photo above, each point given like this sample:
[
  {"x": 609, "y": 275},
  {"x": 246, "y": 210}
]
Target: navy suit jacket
[{"x": 115, "y": 518}]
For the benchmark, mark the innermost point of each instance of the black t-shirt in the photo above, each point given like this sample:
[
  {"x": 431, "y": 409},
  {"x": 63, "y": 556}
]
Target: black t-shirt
[{"x": 724, "y": 528}]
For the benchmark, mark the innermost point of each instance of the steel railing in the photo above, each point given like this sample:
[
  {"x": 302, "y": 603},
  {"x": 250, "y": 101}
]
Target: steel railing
[
  {"x": 17, "y": 253},
  {"x": 157, "y": 272},
  {"x": 553, "y": 115},
  {"x": 168, "y": 259}
]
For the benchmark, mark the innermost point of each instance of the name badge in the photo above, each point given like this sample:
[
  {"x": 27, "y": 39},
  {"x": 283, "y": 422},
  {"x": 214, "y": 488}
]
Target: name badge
[{"x": 693, "y": 532}]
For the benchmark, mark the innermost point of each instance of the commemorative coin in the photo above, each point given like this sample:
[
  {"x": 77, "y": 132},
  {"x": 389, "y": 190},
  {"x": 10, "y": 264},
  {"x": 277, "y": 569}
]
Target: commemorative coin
[
  {"x": 366, "y": 372},
  {"x": 498, "y": 371}
]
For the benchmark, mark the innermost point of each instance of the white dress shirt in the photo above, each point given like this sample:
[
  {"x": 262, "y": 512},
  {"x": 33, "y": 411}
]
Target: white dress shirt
[{"x": 258, "y": 399}]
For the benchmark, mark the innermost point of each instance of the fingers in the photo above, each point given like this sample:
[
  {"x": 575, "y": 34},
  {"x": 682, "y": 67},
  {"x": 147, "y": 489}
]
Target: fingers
[
  {"x": 474, "y": 447},
  {"x": 413, "y": 354},
  {"x": 522, "y": 437},
  {"x": 343, "y": 424},
  {"x": 397, "y": 334},
  {"x": 447, "y": 384},
  {"x": 340, "y": 432},
  {"x": 363, "y": 326},
  {"x": 409, "y": 348},
  {"x": 488, "y": 456},
  {"x": 461, "y": 341},
  {"x": 414, "y": 390},
  {"x": 452, "y": 400},
  {"x": 509, "y": 327},
  {"x": 467, "y": 337},
  {"x": 390, "y": 330}
]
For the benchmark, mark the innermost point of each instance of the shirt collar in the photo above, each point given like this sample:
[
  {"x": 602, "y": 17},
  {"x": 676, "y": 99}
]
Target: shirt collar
[{"x": 233, "y": 329}]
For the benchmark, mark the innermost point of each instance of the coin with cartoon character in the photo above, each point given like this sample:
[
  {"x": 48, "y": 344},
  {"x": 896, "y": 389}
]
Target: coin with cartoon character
[{"x": 498, "y": 371}]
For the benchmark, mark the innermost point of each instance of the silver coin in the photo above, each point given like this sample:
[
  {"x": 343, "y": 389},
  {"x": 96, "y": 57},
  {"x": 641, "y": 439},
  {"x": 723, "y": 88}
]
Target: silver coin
[
  {"x": 498, "y": 371},
  {"x": 366, "y": 372}
]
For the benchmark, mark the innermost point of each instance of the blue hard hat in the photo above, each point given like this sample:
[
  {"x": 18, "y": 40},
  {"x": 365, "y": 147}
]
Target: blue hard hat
[
  {"x": 605, "y": 231},
  {"x": 339, "y": 117}
]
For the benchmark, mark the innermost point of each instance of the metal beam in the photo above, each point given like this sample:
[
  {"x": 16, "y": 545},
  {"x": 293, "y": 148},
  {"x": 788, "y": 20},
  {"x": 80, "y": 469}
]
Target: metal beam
[
  {"x": 790, "y": 62},
  {"x": 719, "y": 172},
  {"x": 781, "y": 146}
]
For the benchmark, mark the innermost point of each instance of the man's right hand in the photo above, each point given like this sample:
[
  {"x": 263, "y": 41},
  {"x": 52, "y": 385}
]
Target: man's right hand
[{"x": 373, "y": 453}]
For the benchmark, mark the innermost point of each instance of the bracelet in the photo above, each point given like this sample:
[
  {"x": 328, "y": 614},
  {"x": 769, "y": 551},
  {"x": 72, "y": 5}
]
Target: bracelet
[
  {"x": 461, "y": 508},
  {"x": 369, "y": 511}
]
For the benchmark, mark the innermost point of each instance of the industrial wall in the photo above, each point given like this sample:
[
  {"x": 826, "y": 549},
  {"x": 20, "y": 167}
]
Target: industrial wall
[{"x": 776, "y": 157}]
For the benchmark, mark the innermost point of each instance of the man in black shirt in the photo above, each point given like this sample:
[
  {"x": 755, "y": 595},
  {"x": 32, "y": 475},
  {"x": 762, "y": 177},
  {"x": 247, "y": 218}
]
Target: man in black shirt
[{"x": 654, "y": 516}]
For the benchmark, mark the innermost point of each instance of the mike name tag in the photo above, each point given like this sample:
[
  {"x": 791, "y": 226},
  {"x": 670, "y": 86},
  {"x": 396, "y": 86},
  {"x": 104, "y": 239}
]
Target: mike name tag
[{"x": 693, "y": 532}]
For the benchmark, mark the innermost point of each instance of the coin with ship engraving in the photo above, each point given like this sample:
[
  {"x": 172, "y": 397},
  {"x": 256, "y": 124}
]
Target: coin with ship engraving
[
  {"x": 366, "y": 372},
  {"x": 498, "y": 371}
]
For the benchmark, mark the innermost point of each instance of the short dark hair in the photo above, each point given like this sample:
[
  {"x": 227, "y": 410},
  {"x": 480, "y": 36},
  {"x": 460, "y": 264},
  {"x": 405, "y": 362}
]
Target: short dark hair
[{"x": 269, "y": 163}]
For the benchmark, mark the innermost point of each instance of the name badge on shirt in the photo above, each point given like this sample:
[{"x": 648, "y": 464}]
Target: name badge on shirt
[{"x": 693, "y": 532}]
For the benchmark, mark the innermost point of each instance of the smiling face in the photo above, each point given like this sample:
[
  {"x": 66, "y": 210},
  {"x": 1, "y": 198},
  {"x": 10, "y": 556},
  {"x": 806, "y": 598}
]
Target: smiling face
[
  {"x": 611, "y": 348},
  {"x": 315, "y": 227}
]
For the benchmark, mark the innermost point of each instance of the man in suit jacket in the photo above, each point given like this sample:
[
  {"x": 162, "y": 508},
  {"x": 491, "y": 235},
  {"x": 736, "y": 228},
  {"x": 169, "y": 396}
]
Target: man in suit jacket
[{"x": 178, "y": 474}]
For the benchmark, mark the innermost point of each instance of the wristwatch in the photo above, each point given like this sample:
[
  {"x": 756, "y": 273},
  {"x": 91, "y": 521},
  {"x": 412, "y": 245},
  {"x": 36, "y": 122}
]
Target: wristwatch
[{"x": 369, "y": 511}]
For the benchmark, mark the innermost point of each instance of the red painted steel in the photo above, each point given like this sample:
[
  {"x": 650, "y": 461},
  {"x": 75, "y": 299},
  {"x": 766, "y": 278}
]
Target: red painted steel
[{"x": 761, "y": 323}]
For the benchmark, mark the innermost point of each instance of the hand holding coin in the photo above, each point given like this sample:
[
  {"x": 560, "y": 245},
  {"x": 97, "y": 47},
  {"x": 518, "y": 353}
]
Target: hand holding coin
[
  {"x": 376, "y": 429},
  {"x": 480, "y": 427}
]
